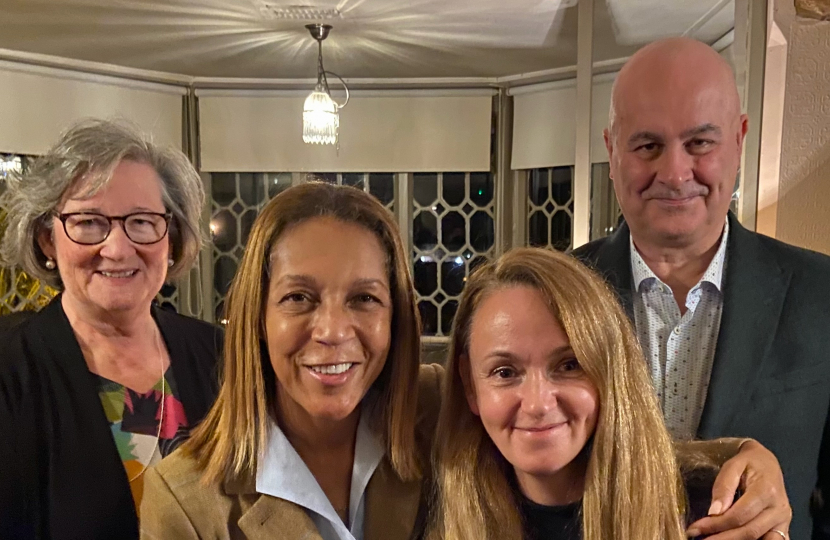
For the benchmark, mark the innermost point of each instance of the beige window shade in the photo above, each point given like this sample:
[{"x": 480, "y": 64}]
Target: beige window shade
[
  {"x": 37, "y": 104},
  {"x": 544, "y": 123},
  {"x": 380, "y": 132}
]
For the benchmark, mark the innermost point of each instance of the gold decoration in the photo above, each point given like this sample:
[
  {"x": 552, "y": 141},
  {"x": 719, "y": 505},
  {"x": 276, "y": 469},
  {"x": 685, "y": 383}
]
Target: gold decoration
[
  {"x": 18, "y": 290},
  {"x": 21, "y": 292},
  {"x": 813, "y": 9}
]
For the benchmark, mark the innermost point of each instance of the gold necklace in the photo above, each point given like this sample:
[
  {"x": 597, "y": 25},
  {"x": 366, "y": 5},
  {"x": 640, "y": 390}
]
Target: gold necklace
[{"x": 161, "y": 412}]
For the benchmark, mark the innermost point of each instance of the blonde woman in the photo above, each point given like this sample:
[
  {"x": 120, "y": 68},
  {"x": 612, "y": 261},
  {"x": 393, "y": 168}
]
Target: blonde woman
[
  {"x": 549, "y": 426},
  {"x": 314, "y": 431},
  {"x": 324, "y": 421}
]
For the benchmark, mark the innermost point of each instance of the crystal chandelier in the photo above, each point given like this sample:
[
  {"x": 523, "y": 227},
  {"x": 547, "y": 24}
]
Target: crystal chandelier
[{"x": 321, "y": 114}]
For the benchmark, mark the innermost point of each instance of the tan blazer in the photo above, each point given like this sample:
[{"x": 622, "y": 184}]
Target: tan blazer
[{"x": 177, "y": 506}]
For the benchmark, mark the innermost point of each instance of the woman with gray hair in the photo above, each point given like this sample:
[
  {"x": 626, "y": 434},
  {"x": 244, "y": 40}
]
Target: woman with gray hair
[{"x": 100, "y": 384}]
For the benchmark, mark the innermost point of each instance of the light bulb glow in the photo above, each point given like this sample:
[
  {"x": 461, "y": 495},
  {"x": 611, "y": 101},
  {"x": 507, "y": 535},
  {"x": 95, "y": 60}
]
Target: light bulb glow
[{"x": 321, "y": 119}]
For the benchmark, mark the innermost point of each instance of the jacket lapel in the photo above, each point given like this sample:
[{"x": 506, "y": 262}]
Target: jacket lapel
[
  {"x": 755, "y": 287},
  {"x": 613, "y": 261},
  {"x": 270, "y": 518},
  {"x": 390, "y": 508},
  {"x": 391, "y": 505}
]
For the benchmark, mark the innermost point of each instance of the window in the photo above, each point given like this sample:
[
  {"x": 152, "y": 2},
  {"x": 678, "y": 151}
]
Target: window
[
  {"x": 452, "y": 228},
  {"x": 453, "y": 231},
  {"x": 381, "y": 185},
  {"x": 606, "y": 214},
  {"x": 236, "y": 200},
  {"x": 550, "y": 208}
]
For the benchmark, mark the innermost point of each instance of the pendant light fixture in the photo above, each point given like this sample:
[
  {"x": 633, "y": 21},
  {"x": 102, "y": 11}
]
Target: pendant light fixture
[{"x": 321, "y": 114}]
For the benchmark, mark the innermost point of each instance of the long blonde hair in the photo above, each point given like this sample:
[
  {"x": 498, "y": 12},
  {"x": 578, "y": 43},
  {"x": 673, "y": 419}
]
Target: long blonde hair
[
  {"x": 633, "y": 489},
  {"x": 228, "y": 443}
]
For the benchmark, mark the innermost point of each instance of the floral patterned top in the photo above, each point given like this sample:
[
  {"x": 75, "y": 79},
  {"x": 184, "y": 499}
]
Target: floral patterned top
[{"x": 134, "y": 420}]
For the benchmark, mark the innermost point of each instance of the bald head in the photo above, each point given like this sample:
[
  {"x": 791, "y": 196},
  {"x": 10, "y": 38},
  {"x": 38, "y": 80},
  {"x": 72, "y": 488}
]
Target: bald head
[
  {"x": 672, "y": 65},
  {"x": 674, "y": 144}
]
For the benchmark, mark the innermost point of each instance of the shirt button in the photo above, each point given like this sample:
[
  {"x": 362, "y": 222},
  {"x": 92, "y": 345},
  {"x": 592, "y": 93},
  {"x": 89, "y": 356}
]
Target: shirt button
[{"x": 677, "y": 330}]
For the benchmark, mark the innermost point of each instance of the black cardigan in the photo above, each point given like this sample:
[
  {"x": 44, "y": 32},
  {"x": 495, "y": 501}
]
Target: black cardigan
[{"x": 61, "y": 476}]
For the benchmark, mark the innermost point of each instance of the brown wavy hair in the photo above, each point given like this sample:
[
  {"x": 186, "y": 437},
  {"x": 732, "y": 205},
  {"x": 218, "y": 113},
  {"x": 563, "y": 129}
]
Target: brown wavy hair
[
  {"x": 633, "y": 489},
  {"x": 229, "y": 442}
]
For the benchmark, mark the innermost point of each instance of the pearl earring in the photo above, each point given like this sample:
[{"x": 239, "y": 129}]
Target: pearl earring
[
  {"x": 49, "y": 264},
  {"x": 170, "y": 263}
]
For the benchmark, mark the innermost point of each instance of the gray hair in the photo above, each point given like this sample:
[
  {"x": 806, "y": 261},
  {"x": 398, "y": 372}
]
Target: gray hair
[{"x": 89, "y": 151}]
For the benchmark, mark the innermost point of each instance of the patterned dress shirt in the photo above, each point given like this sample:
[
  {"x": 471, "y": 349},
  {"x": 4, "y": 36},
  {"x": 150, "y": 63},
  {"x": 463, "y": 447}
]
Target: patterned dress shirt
[{"x": 679, "y": 349}]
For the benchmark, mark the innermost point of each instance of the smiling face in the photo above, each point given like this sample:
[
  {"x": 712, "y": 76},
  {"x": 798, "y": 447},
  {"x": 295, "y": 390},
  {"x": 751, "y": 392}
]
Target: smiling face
[
  {"x": 328, "y": 318},
  {"x": 675, "y": 143},
  {"x": 534, "y": 400},
  {"x": 116, "y": 275}
]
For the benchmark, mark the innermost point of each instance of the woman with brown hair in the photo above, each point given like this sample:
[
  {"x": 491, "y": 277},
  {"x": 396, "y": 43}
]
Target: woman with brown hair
[
  {"x": 549, "y": 426},
  {"x": 314, "y": 431},
  {"x": 324, "y": 421}
]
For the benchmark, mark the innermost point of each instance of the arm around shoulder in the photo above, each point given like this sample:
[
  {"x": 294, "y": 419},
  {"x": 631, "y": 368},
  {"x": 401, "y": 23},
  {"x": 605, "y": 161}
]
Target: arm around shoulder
[{"x": 713, "y": 453}]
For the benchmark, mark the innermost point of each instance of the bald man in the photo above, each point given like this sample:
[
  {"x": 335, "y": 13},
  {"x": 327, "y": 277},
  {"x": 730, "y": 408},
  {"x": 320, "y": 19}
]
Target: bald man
[{"x": 735, "y": 326}]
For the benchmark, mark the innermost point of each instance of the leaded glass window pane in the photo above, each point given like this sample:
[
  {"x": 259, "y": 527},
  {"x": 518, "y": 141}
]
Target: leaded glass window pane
[
  {"x": 550, "y": 208},
  {"x": 453, "y": 230}
]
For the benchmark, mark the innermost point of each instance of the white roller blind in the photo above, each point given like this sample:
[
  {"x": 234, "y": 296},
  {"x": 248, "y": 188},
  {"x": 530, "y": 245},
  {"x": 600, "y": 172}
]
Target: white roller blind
[
  {"x": 544, "y": 123},
  {"x": 378, "y": 132},
  {"x": 37, "y": 104}
]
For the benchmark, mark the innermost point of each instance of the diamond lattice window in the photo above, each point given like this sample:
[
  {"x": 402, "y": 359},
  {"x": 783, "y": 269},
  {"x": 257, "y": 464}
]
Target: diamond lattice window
[
  {"x": 550, "y": 208},
  {"x": 237, "y": 199},
  {"x": 381, "y": 185},
  {"x": 453, "y": 231}
]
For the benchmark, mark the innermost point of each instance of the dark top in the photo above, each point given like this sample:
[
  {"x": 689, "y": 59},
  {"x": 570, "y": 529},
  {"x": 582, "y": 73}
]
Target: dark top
[
  {"x": 551, "y": 522},
  {"x": 565, "y": 522},
  {"x": 771, "y": 372},
  {"x": 61, "y": 476}
]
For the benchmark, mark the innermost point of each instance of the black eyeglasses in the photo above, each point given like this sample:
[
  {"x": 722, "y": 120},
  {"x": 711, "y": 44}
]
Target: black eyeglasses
[{"x": 89, "y": 228}]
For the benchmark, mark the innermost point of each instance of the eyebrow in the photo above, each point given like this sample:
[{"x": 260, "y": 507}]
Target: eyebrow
[
  {"x": 371, "y": 282},
  {"x": 701, "y": 130},
  {"x": 505, "y": 354},
  {"x": 296, "y": 278},
  {"x": 97, "y": 210},
  {"x": 306, "y": 279},
  {"x": 644, "y": 136},
  {"x": 692, "y": 132}
]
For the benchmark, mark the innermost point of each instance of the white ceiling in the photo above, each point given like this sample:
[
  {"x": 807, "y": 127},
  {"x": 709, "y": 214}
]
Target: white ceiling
[{"x": 371, "y": 38}]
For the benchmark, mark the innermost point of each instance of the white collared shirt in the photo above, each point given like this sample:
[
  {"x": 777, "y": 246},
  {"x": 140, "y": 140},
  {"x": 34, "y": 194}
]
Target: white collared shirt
[
  {"x": 679, "y": 349},
  {"x": 283, "y": 474}
]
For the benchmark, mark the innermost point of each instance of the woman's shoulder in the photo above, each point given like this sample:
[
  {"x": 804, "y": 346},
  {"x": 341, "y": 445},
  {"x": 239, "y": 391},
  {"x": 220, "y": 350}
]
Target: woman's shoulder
[
  {"x": 13, "y": 321},
  {"x": 177, "y": 501},
  {"x": 179, "y": 469},
  {"x": 22, "y": 324},
  {"x": 430, "y": 384},
  {"x": 29, "y": 340},
  {"x": 431, "y": 377}
]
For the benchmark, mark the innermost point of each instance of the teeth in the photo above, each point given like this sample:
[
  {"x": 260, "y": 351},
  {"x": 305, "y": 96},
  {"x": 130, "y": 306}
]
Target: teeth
[
  {"x": 128, "y": 273},
  {"x": 332, "y": 369}
]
